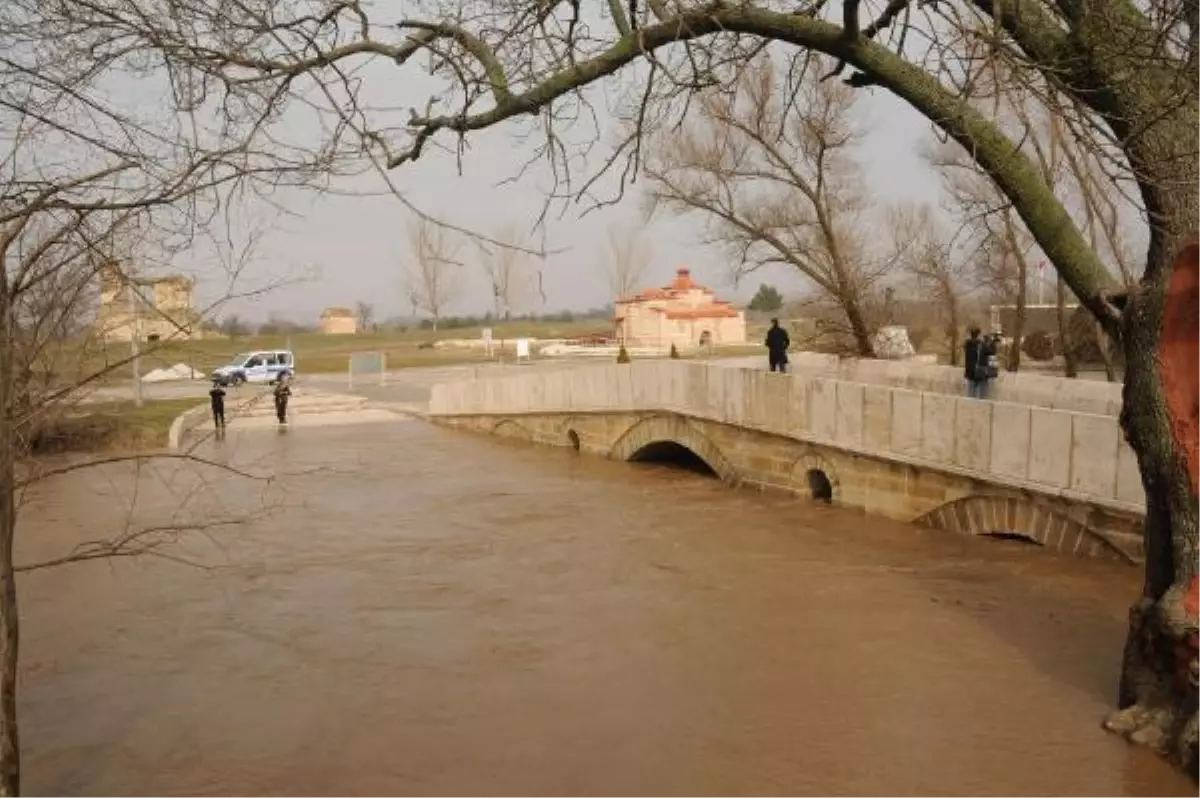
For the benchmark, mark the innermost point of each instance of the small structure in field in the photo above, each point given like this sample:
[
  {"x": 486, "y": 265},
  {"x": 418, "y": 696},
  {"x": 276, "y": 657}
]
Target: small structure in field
[
  {"x": 683, "y": 313},
  {"x": 339, "y": 321}
]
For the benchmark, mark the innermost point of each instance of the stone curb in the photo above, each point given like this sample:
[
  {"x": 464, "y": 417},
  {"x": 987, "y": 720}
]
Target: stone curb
[{"x": 189, "y": 419}]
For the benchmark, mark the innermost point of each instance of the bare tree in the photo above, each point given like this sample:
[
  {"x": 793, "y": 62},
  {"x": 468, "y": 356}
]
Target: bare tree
[
  {"x": 777, "y": 188},
  {"x": 233, "y": 327},
  {"x": 509, "y": 272},
  {"x": 938, "y": 274},
  {"x": 433, "y": 275},
  {"x": 1000, "y": 249},
  {"x": 364, "y": 312},
  {"x": 1123, "y": 78},
  {"x": 94, "y": 186},
  {"x": 625, "y": 259},
  {"x": 1074, "y": 168}
]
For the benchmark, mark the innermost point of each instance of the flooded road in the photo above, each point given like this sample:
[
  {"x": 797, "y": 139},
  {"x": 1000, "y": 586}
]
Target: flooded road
[{"x": 410, "y": 610}]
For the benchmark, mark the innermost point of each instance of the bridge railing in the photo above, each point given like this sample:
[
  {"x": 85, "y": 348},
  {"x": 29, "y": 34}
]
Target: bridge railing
[
  {"x": 1052, "y": 451},
  {"x": 1055, "y": 393}
]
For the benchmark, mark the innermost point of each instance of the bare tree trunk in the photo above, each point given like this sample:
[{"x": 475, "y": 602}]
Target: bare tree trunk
[
  {"x": 952, "y": 330},
  {"x": 1158, "y": 678},
  {"x": 858, "y": 327},
  {"x": 1014, "y": 352},
  {"x": 10, "y": 749},
  {"x": 1064, "y": 334}
]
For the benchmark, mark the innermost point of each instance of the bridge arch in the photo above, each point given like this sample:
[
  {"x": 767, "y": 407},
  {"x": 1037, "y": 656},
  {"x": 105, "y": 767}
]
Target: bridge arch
[
  {"x": 1006, "y": 516},
  {"x": 676, "y": 430},
  {"x": 816, "y": 477},
  {"x": 507, "y": 428}
]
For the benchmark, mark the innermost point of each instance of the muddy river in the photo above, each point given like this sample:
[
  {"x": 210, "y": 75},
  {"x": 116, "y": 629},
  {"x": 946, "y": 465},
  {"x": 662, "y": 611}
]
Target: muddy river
[{"x": 403, "y": 609}]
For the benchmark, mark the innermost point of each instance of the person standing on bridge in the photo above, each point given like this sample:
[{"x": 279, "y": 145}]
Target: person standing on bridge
[
  {"x": 217, "y": 398},
  {"x": 977, "y": 364},
  {"x": 777, "y": 346},
  {"x": 283, "y": 392}
]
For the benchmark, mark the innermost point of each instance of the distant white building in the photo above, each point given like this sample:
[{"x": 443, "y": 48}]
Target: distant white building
[
  {"x": 339, "y": 321},
  {"x": 683, "y": 313}
]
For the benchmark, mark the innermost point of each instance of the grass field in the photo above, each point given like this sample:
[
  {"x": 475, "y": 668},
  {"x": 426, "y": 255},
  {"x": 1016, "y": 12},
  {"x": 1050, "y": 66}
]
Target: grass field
[
  {"x": 320, "y": 354},
  {"x": 114, "y": 426}
]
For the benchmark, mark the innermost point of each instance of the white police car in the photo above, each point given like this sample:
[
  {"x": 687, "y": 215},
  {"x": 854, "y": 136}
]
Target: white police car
[{"x": 267, "y": 366}]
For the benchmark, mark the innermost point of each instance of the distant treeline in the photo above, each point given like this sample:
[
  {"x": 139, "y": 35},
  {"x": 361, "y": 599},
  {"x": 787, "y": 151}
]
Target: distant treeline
[{"x": 233, "y": 325}]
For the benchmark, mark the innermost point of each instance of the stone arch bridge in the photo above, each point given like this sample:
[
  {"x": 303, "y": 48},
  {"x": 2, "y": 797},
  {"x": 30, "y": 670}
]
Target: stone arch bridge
[{"x": 962, "y": 465}]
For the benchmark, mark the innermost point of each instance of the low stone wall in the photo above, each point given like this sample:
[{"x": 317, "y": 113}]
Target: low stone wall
[
  {"x": 1076, "y": 455},
  {"x": 184, "y": 423}
]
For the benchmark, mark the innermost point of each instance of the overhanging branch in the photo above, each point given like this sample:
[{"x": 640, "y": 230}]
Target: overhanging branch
[{"x": 1015, "y": 175}]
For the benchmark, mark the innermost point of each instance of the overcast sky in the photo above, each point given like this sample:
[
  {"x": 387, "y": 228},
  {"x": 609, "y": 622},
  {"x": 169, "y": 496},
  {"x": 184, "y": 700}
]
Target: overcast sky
[{"x": 340, "y": 249}]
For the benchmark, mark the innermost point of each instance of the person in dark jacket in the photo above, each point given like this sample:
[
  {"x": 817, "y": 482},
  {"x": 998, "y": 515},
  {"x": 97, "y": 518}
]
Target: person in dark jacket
[
  {"x": 777, "y": 346},
  {"x": 217, "y": 398},
  {"x": 283, "y": 392},
  {"x": 977, "y": 354}
]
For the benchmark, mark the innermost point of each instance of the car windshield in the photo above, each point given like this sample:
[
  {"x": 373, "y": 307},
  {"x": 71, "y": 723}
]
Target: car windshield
[{"x": 239, "y": 360}]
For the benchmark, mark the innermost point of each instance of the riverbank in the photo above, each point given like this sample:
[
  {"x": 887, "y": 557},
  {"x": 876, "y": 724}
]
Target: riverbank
[{"x": 117, "y": 426}]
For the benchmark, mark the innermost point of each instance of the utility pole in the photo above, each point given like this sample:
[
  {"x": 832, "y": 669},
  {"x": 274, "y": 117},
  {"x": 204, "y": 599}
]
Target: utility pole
[{"x": 134, "y": 334}]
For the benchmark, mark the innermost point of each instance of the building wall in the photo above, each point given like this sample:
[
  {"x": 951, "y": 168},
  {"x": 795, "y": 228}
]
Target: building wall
[
  {"x": 339, "y": 325},
  {"x": 163, "y": 310},
  {"x": 646, "y": 323},
  {"x": 1038, "y": 318}
]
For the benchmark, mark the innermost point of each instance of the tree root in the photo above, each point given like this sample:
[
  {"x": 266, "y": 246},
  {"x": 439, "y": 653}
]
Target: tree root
[
  {"x": 1159, "y": 687},
  {"x": 1142, "y": 726}
]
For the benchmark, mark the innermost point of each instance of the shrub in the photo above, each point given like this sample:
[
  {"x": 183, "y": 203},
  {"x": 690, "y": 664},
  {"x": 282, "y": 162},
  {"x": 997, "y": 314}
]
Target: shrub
[
  {"x": 1038, "y": 345},
  {"x": 622, "y": 355}
]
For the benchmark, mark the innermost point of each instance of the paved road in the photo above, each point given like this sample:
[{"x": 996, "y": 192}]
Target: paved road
[{"x": 402, "y": 385}]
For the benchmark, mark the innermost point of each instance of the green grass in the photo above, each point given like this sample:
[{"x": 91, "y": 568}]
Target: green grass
[
  {"x": 317, "y": 353},
  {"x": 113, "y": 426}
]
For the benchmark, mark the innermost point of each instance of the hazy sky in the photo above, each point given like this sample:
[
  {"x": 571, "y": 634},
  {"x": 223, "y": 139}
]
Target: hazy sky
[{"x": 351, "y": 248}]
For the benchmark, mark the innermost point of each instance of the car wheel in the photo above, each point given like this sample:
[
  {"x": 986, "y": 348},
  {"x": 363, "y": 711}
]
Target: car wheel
[{"x": 237, "y": 380}]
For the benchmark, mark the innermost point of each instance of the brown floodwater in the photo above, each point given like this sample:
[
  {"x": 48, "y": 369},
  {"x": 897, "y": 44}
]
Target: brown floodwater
[{"x": 406, "y": 609}]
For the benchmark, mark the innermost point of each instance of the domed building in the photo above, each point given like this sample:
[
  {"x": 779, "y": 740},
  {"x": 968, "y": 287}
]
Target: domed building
[{"x": 683, "y": 313}]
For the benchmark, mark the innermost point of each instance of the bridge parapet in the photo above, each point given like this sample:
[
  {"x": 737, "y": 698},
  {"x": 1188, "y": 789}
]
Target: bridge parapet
[
  {"x": 1054, "y": 393},
  {"x": 1054, "y": 452}
]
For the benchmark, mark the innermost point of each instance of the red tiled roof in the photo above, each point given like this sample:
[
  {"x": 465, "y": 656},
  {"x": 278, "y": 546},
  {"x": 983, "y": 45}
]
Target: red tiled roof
[{"x": 683, "y": 282}]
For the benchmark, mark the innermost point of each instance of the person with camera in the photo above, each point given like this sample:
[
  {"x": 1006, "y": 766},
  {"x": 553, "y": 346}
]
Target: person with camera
[{"x": 980, "y": 364}]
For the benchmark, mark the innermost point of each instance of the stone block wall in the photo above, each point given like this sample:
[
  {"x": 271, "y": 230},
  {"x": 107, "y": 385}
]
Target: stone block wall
[{"x": 1010, "y": 445}]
